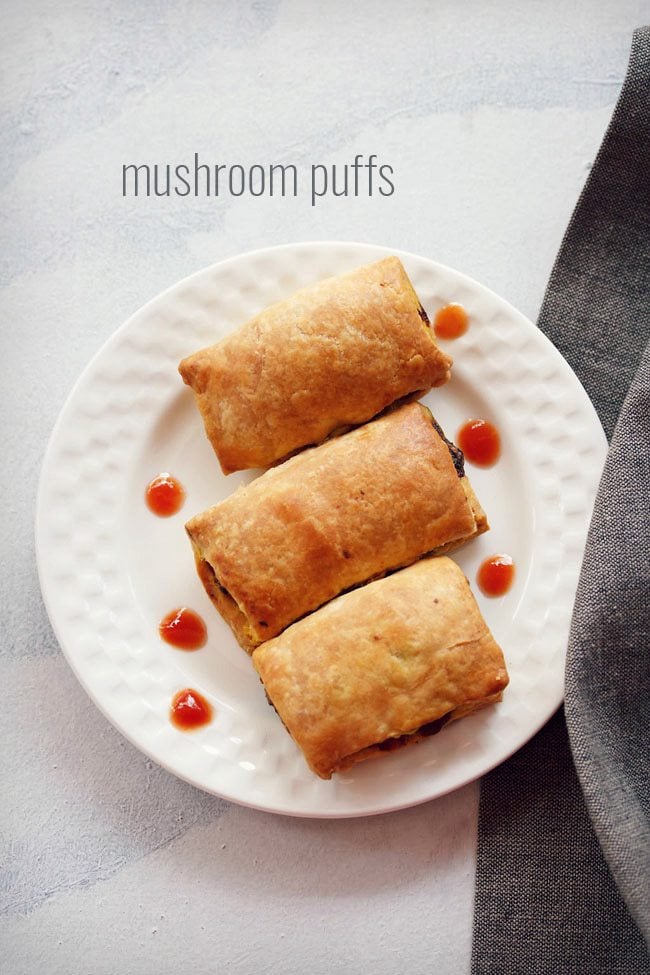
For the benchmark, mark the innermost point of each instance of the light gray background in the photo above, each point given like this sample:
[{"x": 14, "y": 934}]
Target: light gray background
[{"x": 491, "y": 115}]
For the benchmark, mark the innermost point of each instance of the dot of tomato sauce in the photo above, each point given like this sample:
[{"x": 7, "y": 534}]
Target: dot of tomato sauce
[
  {"x": 451, "y": 322},
  {"x": 189, "y": 710},
  {"x": 164, "y": 495},
  {"x": 495, "y": 575},
  {"x": 480, "y": 442},
  {"x": 184, "y": 629}
]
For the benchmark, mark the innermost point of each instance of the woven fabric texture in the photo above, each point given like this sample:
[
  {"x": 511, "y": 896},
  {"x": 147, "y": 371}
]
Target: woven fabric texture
[{"x": 546, "y": 900}]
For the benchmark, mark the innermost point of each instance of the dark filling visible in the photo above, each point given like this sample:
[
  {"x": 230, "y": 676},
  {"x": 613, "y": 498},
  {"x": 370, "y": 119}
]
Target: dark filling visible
[
  {"x": 271, "y": 704},
  {"x": 432, "y": 728},
  {"x": 423, "y": 315},
  {"x": 456, "y": 453},
  {"x": 209, "y": 570},
  {"x": 215, "y": 582}
]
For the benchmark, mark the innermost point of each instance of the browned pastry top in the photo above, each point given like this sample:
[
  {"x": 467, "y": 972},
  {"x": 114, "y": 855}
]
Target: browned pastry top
[
  {"x": 381, "y": 663},
  {"x": 333, "y": 517},
  {"x": 333, "y": 355}
]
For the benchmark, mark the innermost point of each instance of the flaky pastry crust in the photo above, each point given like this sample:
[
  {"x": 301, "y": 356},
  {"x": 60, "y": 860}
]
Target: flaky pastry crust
[
  {"x": 332, "y": 356},
  {"x": 382, "y": 666},
  {"x": 331, "y": 518}
]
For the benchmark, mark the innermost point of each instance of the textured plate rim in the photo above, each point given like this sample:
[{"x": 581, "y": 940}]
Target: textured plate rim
[{"x": 43, "y": 487}]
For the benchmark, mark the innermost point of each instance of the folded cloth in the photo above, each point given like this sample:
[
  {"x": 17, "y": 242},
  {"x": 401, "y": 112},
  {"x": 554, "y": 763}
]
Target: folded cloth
[
  {"x": 607, "y": 699},
  {"x": 545, "y": 900}
]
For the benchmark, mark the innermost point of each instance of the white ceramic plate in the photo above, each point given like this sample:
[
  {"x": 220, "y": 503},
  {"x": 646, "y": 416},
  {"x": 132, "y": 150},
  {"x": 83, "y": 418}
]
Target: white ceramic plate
[{"x": 110, "y": 570}]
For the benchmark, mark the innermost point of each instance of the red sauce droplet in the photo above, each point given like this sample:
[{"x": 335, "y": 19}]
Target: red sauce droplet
[
  {"x": 450, "y": 322},
  {"x": 164, "y": 495},
  {"x": 495, "y": 575},
  {"x": 189, "y": 710},
  {"x": 480, "y": 442},
  {"x": 183, "y": 628}
]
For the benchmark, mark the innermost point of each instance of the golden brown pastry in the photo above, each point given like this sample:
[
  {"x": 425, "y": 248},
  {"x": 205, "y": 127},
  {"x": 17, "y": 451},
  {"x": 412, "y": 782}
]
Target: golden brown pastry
[
  {"x": 332, "y": 356},
  {"x": 383, "y": 666},
  {"x": 331, "y": 518}
]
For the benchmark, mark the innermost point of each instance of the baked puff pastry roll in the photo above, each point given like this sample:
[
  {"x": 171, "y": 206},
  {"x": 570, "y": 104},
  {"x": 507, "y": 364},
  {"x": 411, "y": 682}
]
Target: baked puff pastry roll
[
  {"x": 332, "y": 356},
  {"x": 383, "y": 666},
  {"x": 331, "y": 518}
]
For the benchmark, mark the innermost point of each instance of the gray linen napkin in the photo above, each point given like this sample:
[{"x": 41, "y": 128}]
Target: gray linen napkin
[
  {"x": 545, "y": 898},
  {"x": 607, "y": 676}
]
